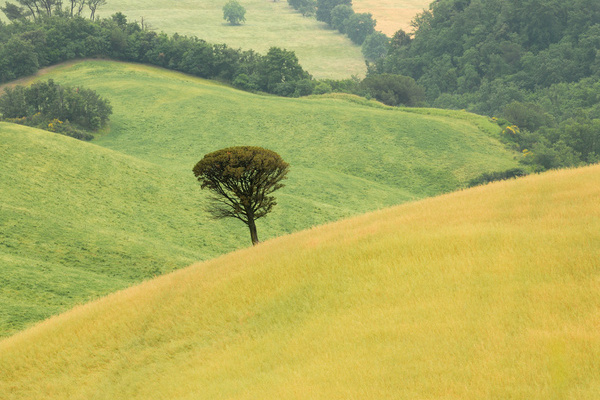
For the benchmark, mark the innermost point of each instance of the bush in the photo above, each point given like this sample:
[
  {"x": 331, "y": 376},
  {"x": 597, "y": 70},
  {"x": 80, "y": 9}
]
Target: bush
[
  {"x": 322, "y": 88},
  {"x": 394, "y": 90},
  {"x": 60, "y": 109},
  {"x": 496, "y": 176}
]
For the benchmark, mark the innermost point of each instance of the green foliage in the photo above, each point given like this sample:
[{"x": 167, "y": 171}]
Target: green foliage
[
  {"x": 13, "y": 12},
  {"x": 18, "y": 58},
  {"x": 58, "y": 39},
  {"x": 527, "y": 115},
  {"x": 375, "y": 46},
  {"x": 322, "y": 88},
  {"x": 394, "y": 90},
  {"x": 50, "y": 106},
  {"x": 280, "y": 69},
  {"x": 533, "y": 61},
  {"x": 359, "y": 26},
  {"x": 234, "y": 12},
  {"x": 340, "y": 15},
  {"x": 242, "y": 179},
  {"x": 306, "y": 7},
  {"x": 488, "y": 177},
  {"x": 325, "y": 7}
]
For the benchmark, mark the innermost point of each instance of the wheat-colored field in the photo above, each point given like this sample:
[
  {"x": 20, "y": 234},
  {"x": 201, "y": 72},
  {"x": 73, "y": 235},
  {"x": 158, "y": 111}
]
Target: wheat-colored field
[
  {"x": 392, "y": 15},
  {"x": 488, "y": 293}
]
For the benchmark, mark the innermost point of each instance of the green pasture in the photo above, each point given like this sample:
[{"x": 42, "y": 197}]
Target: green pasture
[
  {"x": 325, "y": 53},
  {"x": 79, "y": 220}
]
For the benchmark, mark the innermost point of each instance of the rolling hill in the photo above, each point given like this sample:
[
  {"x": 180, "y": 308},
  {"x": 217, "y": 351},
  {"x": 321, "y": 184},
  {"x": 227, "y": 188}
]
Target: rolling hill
[
  {"x": 323, "y": 52},
  {"x": 487, "y": 293},
  {"x": 80, "y": 219}
]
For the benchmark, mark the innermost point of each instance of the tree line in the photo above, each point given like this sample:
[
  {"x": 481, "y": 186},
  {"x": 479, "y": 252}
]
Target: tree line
[
  {"x": 28, "y": 44},
  {"x": 339, "y": 14}
]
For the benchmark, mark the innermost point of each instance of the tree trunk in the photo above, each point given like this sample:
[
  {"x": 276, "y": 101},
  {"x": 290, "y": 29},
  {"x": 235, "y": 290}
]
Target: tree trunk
[{"x": 253, "y": 233}]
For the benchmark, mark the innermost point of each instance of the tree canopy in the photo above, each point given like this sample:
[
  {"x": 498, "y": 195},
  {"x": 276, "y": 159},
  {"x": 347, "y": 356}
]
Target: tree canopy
[
  {"x": 242, "y": 179},
  {"x": 234, "y": 12}
]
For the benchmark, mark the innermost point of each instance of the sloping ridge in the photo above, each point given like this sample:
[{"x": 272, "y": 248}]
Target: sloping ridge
[
  {"x": 78, "y": 220},
  {"x": 487, "y": 293}
]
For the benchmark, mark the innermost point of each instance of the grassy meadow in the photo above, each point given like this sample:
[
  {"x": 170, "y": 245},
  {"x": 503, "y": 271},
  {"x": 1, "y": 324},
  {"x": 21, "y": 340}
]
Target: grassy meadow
[
  {"x": 83, "y": 219},
  {"x": 324, "y": 53},
  {"x": 487, "y": 293},
  {"x": 392, "y": 15}
]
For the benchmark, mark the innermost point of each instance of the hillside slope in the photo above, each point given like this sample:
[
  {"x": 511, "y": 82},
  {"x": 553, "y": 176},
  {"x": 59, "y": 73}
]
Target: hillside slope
[
  {"x": 488, "y": 293},
  {"x": 78, "y": 220},
  {"x": 132, "y": 209},
  {"x": 323, "y": 52}
]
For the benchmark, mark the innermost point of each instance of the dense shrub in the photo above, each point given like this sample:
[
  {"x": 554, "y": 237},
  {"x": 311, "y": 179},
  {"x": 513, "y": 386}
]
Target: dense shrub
[
  {"x": 394, "y": 90},
  {"x": 57, "y": 108},
  {"x": 496, "y": 176}
]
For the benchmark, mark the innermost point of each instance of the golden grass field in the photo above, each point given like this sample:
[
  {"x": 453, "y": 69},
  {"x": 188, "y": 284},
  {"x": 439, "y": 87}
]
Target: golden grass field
[
  {"x": 487, "y": 293},
  {"x": 392, "y": 15}
]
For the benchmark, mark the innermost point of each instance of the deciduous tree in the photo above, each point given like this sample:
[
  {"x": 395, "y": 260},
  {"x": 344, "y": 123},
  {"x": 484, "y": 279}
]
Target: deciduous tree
[
  {"x": 234, "y": 12},
  {"x": 241, "y": 180}
]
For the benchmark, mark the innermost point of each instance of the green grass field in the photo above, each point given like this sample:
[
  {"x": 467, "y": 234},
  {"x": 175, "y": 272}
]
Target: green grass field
[
  {"x": 323, "y": 52},
  {"x": 488, "y": 293},
  {"x": 83, "y": 219}
]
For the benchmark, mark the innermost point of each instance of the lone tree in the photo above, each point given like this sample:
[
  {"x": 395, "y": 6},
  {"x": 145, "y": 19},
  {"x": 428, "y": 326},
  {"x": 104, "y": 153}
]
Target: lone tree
[
  {"x": 241, "y": 179},
  {"x": 234, "y": 12}
]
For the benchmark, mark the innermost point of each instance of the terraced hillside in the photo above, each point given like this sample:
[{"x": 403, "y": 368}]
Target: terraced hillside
[
  {"x": 488, "y": 293},
  {"x": 83, "y": 219}
]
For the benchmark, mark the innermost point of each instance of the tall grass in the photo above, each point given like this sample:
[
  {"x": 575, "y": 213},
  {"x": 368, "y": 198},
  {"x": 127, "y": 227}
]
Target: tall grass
[
  {"x": 80, "y": 219},
  {"x": 489, "y": 293}
]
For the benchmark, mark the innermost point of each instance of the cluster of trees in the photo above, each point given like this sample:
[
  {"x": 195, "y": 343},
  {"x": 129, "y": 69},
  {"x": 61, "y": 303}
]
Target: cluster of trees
[
  {"x": 339, "y": 14},
  {"x": 533, "y": 63},
  {"x": 27, "y": 45},
  {"x": 62, "y": 109}
]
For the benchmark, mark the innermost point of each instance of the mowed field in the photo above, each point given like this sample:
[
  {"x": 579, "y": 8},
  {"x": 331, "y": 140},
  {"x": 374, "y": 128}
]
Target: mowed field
[
  {"x": 488, "y": 293},
  {"x": 325, "y": 53},
  {"x": 392, "y": 15},
  {"x": 83, "y": 219}
]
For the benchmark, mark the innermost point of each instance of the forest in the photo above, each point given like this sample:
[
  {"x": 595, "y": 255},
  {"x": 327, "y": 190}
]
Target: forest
[{"x": 533, "y": 63}]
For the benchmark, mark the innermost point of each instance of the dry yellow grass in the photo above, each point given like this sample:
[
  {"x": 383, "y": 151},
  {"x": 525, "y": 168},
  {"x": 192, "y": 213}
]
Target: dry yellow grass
[
  {"x": 489, "y": 293},
  {"x": 392, "y": 15}
]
